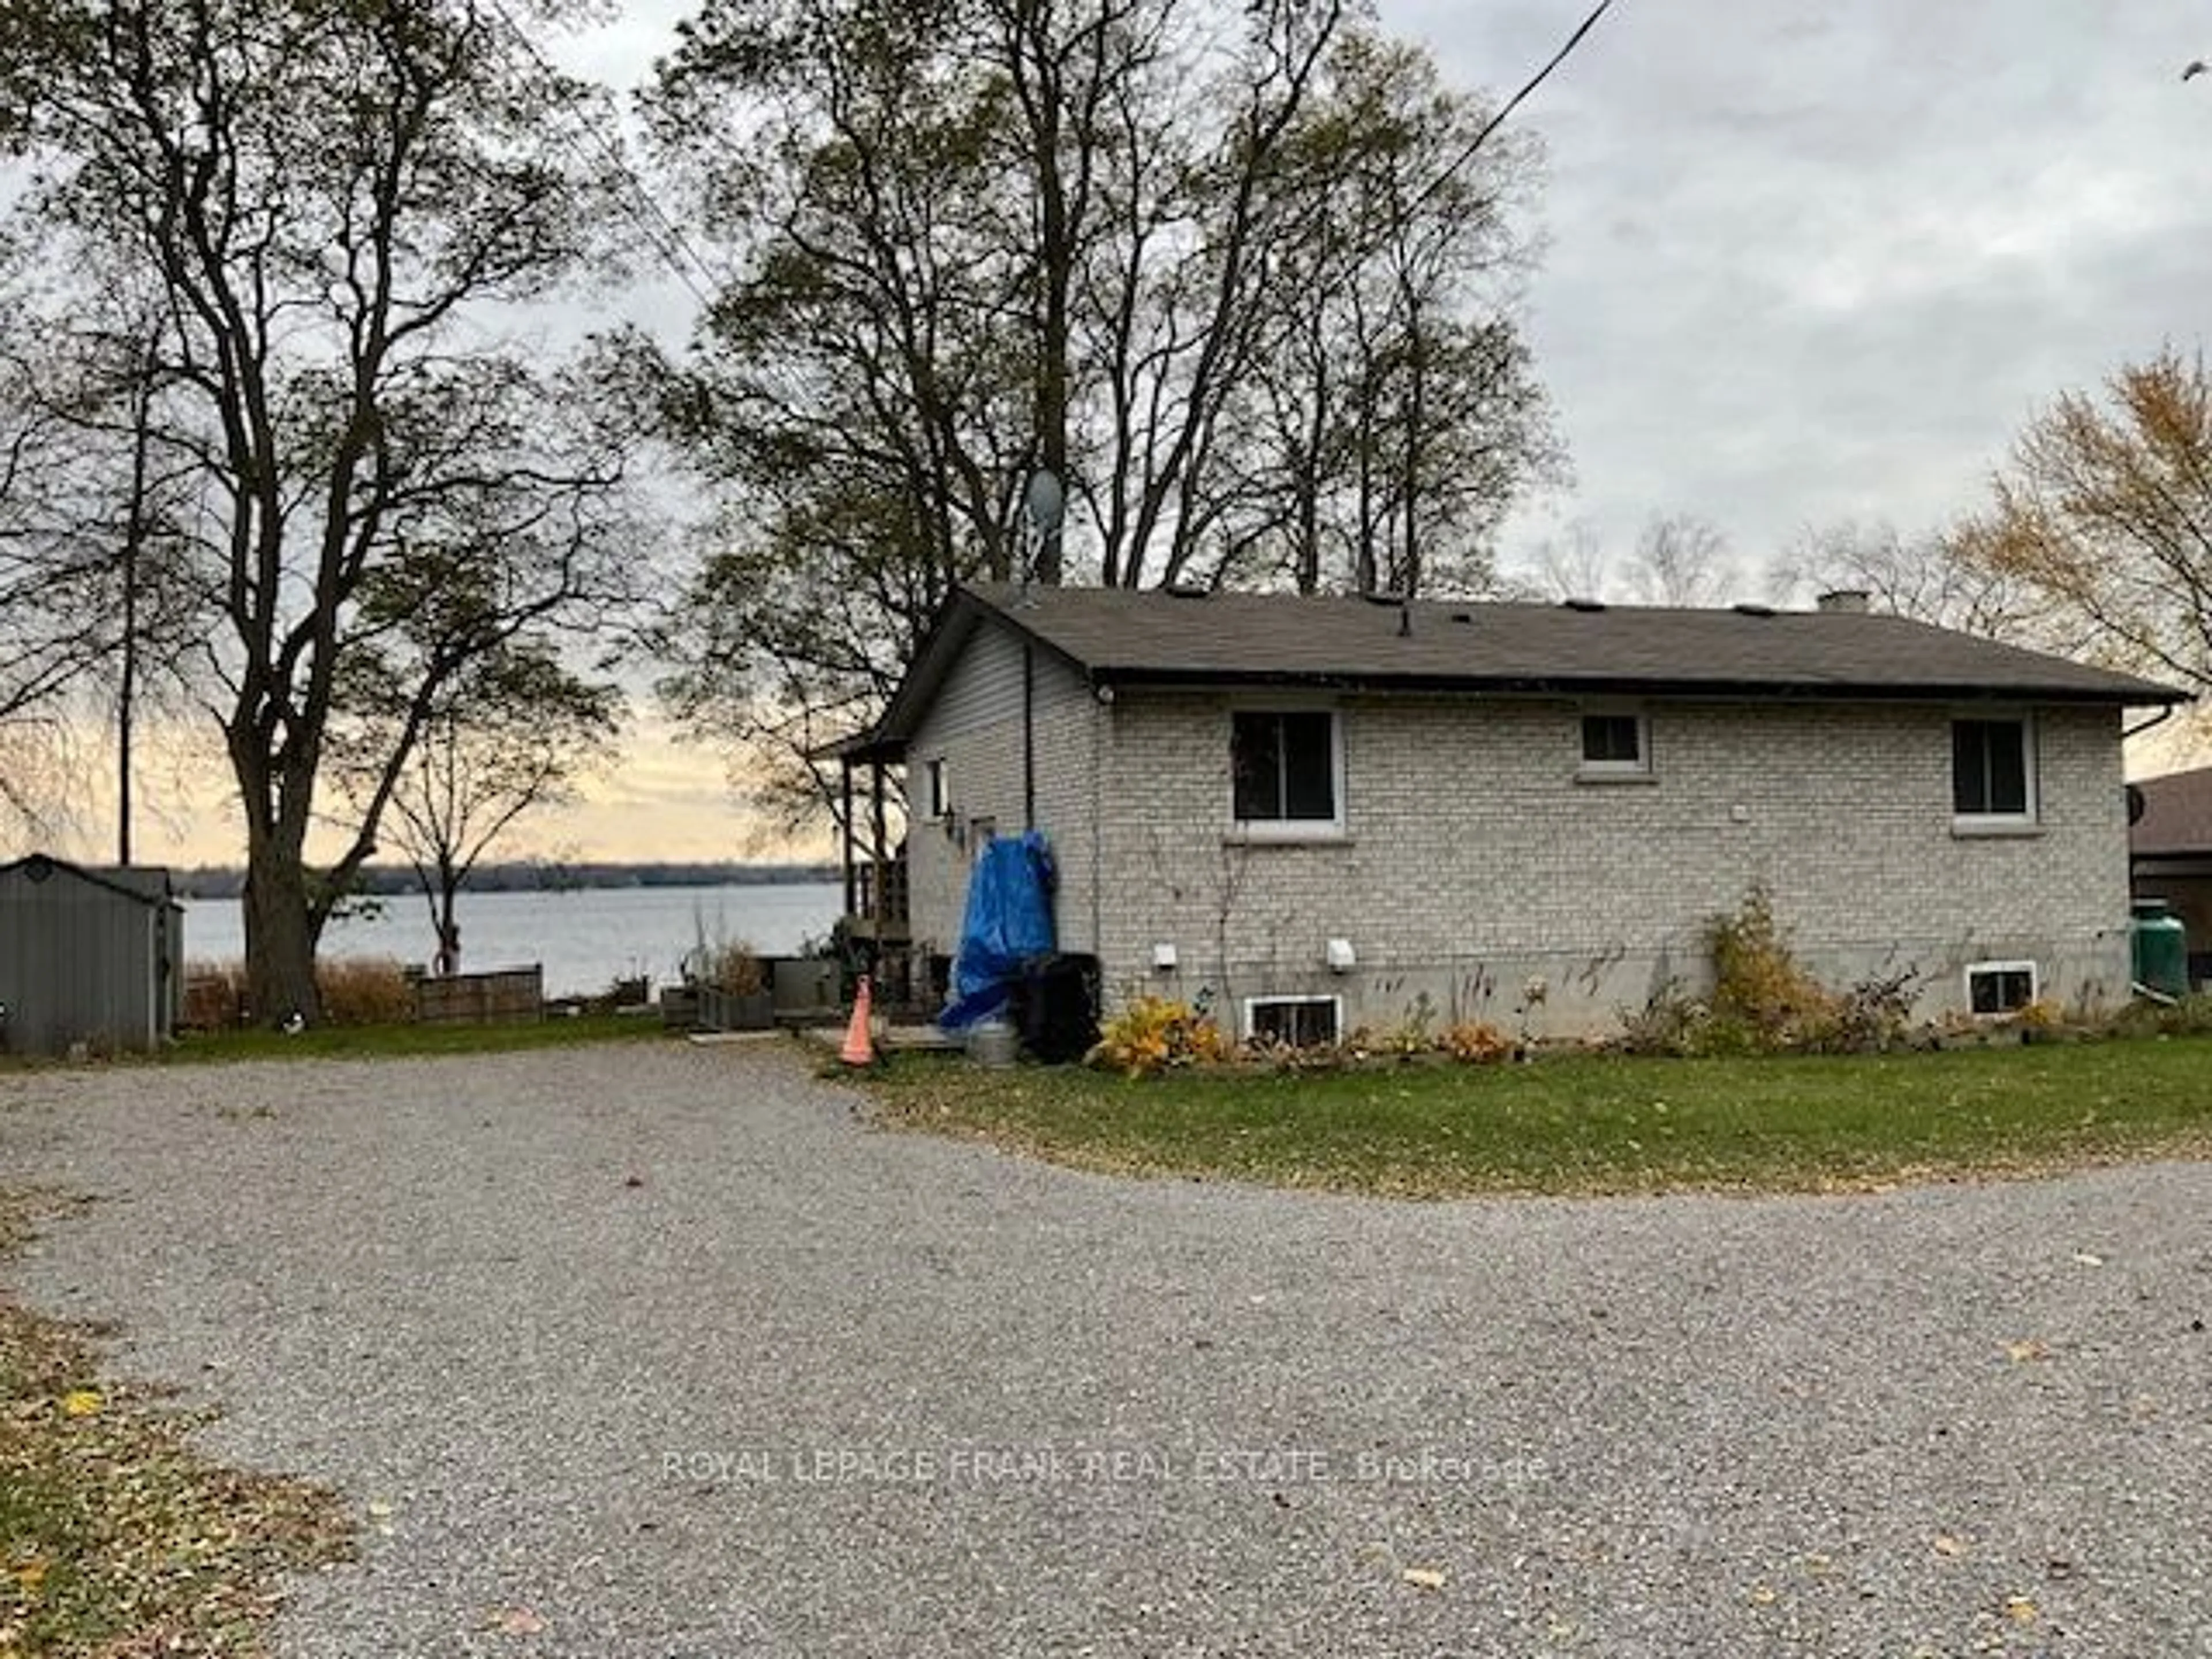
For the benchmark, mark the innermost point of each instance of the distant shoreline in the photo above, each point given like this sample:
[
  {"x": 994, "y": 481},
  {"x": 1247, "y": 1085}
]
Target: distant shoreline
[{"x": 387, "y": 881}]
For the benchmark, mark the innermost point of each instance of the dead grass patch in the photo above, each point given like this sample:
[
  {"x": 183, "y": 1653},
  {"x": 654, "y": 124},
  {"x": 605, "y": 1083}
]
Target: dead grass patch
[{"x": 118, "y": 1538}]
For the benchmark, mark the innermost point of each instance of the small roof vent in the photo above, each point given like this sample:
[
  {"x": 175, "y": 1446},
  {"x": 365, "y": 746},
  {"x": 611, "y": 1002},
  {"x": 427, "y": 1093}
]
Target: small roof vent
[
  {"x": 1383, "y": 596},
  {"x": 1462, "y": 616},
  {"x": 1188, "y": 591},
  {"x": 1585, "y": 605},
  {"x": 1755, "y": 609},
  {"x": 1846, "y": 601}
]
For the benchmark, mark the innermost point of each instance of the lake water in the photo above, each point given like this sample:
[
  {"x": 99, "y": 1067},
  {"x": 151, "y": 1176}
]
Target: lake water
[{"x": 584, "y": 940}]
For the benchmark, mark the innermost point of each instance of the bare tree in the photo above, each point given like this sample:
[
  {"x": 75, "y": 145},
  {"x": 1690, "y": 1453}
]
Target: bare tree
[
  {"x": 511, "y": 735},
  {"x": 1681, "y": 560},
  {"x": 321, "y": 200},
  {"x": 976, "y": 238},
  {"x": 2100, "y": 524},
  {"x": 1568, "y": 566},
  {"x": 1392, "y": 416},
  {"x": 1920, "y": 577}
]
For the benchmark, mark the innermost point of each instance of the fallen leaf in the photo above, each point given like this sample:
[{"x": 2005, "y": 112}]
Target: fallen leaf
[
  {"x": 83, "y": 1402},
  {"x": 1946, "y": 1544},
  {"x": 517, "y": 1621},
  {"x": 2021, "y": 1352},
  {"x": 2088, "y": 1258},
  {"x": 1762, "y": 1596},
  {"x": 31, "y": 1574},
  {"x": 1427, "y": 1578},
  {"x": 2021, "y": 1610}
]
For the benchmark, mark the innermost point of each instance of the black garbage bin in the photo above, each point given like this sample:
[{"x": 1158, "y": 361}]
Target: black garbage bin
[{"x": 1059, "y": 1007}]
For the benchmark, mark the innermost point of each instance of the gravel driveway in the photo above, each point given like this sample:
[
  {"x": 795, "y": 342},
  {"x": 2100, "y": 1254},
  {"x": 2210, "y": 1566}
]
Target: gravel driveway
[{"x": 659, "y": 1351}]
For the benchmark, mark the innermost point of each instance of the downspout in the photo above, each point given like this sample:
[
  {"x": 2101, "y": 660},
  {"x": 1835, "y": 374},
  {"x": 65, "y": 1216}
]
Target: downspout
[
  {"x": 1029, "y": 736},
  {"x": 1102, "y": 712},
  {"x": 2159, "y": 719}
]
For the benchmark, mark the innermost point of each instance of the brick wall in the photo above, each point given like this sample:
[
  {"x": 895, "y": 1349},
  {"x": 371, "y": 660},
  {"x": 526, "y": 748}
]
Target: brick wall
[
  {"x": 1475, "y": 861},
  {"x": 975, "y": 727}
]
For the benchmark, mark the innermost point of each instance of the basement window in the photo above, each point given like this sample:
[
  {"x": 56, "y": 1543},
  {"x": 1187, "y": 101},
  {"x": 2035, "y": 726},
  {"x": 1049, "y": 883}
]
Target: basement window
[
  {"x": 1999, "y": 988},
  {"x": 1295, "y": 1022}
]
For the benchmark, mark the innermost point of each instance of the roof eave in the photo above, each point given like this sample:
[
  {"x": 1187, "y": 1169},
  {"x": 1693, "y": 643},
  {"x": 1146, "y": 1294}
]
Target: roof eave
[{"x": 2137, "y": 694}]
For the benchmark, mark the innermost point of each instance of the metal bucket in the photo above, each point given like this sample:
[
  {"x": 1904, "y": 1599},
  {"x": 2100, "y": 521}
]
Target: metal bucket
[{"x": 991, "y": 1044}]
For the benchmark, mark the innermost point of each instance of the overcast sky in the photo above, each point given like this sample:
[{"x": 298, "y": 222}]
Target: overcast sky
[
  {"x": 1802, "y": 262},
  {"x": 1807, "y": 261}
]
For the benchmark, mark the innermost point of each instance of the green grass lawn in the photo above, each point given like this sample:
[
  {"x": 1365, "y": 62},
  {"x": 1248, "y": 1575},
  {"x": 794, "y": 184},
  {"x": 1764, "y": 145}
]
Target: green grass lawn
[
  {"x": 368, "y": 1041},
  {"x": 1596, "y": 1124}
]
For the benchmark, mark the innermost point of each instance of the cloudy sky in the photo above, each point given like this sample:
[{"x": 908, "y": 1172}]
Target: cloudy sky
[
  {"x": 1802, "y": 263},
  {"x": 1808, "y": 262}
]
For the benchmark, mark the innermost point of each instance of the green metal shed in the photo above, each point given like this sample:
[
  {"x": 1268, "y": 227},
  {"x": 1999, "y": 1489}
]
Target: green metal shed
[{"x": 87, "y": 956}]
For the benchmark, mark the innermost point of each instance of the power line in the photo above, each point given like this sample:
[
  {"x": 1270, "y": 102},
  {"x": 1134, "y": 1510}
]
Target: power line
[
  {"x": 666, "y": 235},
  {"x": 1511, "y": 104}
]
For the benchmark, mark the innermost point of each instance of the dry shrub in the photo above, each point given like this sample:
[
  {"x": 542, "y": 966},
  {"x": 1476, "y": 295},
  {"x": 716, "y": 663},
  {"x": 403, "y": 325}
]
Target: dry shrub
[
  {"x": 355, "y": 991},
  {"x": 1154, "y": 1034},
  {"x": 215, "y": 995},
  {"x": 365, "y": 991},
  {"x": 1476, "y": 1043},
  {"x": 734, "y": 968},
  {"x": 1278, "y": 1055},
  {"x": 1762, "y": 999}
]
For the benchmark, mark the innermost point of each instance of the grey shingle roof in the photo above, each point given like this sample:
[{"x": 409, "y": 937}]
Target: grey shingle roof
[
  {"x": 2177, "y": 815},
  {"x": 1116, "y": 636}
]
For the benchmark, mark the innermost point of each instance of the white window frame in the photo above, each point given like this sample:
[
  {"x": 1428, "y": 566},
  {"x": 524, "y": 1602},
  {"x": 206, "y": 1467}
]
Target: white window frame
[
  {"x": 1997, "y": 824},
  {"x": 1252, "y": 1004},
  {"x": 1261, "y": 831},
  {"x": 1613, "y": 771},
  {"x": 939, "y": 792},
  {"x": 1975, "y": 970}
]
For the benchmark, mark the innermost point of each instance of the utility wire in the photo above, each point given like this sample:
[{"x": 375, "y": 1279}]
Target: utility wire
[
  {"x": 1511, "y": 104},
  {"x": 684, "y": 257},
  {"x": 662, "y": 231}
]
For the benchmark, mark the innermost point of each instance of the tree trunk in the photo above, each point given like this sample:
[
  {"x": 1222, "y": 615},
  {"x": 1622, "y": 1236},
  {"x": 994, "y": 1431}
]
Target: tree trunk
[
  {"x": 449, "y": 932},
  {"x": 280, "y": 937}
]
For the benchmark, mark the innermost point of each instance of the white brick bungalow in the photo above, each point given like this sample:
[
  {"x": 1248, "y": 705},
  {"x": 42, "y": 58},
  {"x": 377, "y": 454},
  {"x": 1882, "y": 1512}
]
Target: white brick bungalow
[{"x": 1317, "y": 811}]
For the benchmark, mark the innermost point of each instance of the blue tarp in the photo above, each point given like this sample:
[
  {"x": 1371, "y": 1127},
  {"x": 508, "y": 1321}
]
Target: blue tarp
[{"x": 1009, "y": 921}]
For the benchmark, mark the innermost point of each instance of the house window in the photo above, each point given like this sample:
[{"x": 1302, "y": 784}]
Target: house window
[
  {"x": 1992, "y": 771},
  {"x": 1286, "y": 769},
  {"x": 1616, "y": 744},
  {"x": 1295, "y": 1022},
  {"x": 936, "y": 800},
  {"x": 1999, "y": 988}
]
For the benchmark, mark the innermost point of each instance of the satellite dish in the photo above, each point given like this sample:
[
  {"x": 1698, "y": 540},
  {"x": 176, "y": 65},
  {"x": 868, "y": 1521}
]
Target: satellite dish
[{"x": 1044, "y": 501}]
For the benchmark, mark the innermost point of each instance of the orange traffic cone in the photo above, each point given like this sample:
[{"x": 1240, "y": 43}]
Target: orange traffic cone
[{"x": 858, "y": 1050}]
